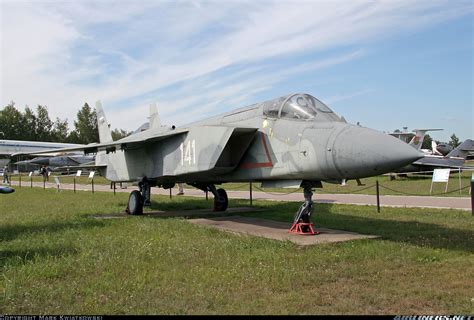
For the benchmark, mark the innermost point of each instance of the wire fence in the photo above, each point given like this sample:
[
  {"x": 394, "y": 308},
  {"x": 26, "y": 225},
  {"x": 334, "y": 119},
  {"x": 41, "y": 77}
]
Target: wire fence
[
  {"x": 418, "y": 194},
  {"x": 247, "y": 187}
]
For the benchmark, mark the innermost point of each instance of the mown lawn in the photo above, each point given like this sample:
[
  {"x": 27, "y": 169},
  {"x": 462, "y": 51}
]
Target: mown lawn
[{"x": 55, "y": 258}]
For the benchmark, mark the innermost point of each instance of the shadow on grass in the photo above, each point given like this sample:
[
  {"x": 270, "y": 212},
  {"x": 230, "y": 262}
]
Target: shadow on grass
[
  {"x": 11, "y": 232},
  {"x": 10, "y": 257}
]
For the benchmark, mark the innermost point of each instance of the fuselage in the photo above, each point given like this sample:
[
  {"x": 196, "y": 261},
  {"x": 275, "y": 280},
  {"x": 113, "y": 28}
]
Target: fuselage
[{"x": 295, "y": 137}]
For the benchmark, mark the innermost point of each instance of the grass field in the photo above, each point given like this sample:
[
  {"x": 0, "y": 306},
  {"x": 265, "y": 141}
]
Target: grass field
[{"x": 55, "y": 258}]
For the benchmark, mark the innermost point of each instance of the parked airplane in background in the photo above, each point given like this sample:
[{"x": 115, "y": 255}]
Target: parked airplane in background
[
  {"x": 454, "y": 160},
  {"x": 415, "y": 140},
  {"x": 9, "y": 147},
  {"x": 59, "y": 162},
  {"x": 441, "y": 149},
  {"x": 295, "y": 140}
]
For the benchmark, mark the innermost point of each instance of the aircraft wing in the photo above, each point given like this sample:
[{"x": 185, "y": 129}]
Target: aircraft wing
[
  {"x": 126, "y": 143},
  {"x": 437, "y": 162}
]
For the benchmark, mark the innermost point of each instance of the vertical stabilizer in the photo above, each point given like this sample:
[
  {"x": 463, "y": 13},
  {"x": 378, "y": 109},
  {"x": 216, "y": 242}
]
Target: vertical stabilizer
[
  {"x": 434, "y": 148},
  {"x": 103, "y": 126},
  {"x": 154, "y": 117},
  {"x": 463, "y": 149},
  {"x": 417, "y": 140}
]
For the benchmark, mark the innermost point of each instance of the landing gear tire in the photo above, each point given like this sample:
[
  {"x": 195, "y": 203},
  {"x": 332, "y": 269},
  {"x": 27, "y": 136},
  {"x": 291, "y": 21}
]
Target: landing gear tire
[
  {"x": 135, "y": 203},
  {"x": 221, "y": 202}
]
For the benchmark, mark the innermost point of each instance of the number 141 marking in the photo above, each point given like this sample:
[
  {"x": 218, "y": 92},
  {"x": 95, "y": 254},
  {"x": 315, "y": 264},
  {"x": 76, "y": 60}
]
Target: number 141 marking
[{"x": 188, "y": 152}]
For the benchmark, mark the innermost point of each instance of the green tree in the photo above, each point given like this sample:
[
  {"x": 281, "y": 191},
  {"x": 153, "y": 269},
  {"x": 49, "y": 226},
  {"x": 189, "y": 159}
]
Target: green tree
[
  {"x": 60, "y": 130},
  {"x": 44, "y": 124},
  {"x": 86, "y": 126},
  {"x": 118, "y": 134},
  {"x": 11, "y": 123},
  {"x": 427, "y": 142},
  {"x": 30, "y": 122},
  {"x": 454, "y": 142}
]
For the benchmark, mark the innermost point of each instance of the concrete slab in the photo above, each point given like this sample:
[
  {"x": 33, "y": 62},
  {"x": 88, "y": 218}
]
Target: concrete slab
[
  {"x": 181, "y": 213},
  {"x": 277, "y": 230}
]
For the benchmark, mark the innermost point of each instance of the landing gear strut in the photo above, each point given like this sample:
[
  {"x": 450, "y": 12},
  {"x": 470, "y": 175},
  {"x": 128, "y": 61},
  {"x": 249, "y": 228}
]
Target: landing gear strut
[
  {"x": 221, "y": 201},
  {"x": 145, "y": 189},
  {"x": 301, "y": 222},
  {"x": 139, "y": 199}
]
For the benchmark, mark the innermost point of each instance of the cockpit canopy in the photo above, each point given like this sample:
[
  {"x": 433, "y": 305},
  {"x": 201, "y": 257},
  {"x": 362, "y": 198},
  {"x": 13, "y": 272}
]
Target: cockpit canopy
[{"x": 299, "y": 107}]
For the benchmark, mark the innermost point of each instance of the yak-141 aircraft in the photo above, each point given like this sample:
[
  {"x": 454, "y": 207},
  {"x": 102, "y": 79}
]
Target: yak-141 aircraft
[{"x": 295, "y": 140}]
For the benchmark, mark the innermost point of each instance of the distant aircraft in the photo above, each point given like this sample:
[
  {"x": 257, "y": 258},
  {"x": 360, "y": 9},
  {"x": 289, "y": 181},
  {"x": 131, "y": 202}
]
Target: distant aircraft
[
  {"x": 454, "y": 160},
  {"x": 416, "y": 140},
  {"x": 295, "y": 140},
  {"x": 441, "y": 149},
  {"x": 60, "y": 162},
  {"x": 10, "y": 147}
]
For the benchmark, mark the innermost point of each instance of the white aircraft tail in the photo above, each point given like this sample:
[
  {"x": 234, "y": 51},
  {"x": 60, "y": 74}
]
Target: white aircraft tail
[
  {"x": 154, "y": 117},
  {"x": 103, "y": 126},
  {"x": 417, "y": 141},
  {"x": 434, "y": 148}
]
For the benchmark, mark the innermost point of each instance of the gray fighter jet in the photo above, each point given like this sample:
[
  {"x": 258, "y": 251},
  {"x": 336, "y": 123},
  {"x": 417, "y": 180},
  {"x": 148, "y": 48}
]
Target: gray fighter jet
[
  {"x": 62, "y": 161},
  {"x": 453, "y": 160},
  {"x": 295, "y": 140}
]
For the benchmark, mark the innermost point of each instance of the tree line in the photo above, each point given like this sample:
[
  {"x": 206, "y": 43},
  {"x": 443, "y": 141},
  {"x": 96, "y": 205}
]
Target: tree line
[{"x": 36, "y": 125}]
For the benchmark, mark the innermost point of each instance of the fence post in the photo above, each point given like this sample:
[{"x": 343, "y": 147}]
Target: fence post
[
  {"x": 114, "y": 187},
  {"x": 251, "y": 193},
  {"x": 472, "y": 195},
  {"x": 19, "y": 180},
  {"x": 378, "y": 195},
  {"x": 31, "y": 181},
  {"x": 170, "y": 192},
  {"x": 92, "y": 184},
  {"x": 74, "y": 184},
  {"x": 460, "y": 183}
]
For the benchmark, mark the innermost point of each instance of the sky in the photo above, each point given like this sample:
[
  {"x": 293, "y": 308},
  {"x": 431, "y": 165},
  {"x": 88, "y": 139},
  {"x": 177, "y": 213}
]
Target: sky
[{"x": 384, "y": 64}]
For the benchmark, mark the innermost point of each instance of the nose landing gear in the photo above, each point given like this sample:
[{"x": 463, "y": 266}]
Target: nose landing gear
[{"x": 301, "y": 222}]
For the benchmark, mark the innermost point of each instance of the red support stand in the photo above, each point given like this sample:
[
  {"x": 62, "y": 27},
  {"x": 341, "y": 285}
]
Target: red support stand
[{"x": 303, "y": 228}]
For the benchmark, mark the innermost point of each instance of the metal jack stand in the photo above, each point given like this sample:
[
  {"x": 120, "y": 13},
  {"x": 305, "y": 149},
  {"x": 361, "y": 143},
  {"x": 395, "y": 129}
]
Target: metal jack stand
[{"x": 301, "y": 223}]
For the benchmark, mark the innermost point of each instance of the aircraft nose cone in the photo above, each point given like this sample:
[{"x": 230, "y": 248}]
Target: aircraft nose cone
[{"x": 361, "y": 152}]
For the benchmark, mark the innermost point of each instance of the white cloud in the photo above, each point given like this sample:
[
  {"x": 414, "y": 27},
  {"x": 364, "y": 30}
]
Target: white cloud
[{"x": 65, "y": 53}]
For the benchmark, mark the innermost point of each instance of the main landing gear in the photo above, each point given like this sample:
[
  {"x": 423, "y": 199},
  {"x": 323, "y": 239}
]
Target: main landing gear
[
  {"x": 221, "y": 201},
  {"x": 142, "y": 197},
  {"x": 139, "y": 199},
  {"x": 301, "y": 222}
]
